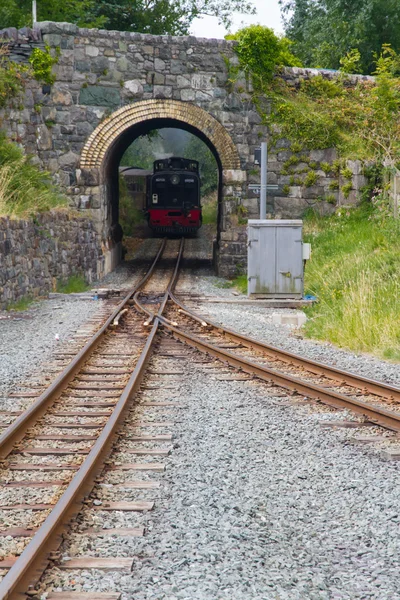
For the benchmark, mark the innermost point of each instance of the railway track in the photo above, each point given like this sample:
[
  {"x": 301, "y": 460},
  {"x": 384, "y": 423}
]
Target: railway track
[
  {"x": 340, "y": 389},
  {"x": 57, "y": 448},
  {"x": 87, "y": 424}
]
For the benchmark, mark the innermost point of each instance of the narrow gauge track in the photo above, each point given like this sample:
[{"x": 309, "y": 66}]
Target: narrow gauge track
[
  {"x": 93, "y": 394},
  {"x": 332, "y": 386}
]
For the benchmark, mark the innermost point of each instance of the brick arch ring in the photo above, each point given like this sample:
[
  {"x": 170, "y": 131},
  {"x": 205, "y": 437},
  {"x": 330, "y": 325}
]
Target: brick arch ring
[{"x": 105, "y": 134}]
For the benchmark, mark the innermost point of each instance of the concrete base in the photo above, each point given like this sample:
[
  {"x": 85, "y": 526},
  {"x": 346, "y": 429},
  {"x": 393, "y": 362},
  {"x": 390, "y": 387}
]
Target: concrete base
[
  {"x": 112, "y": 258},
  {"x": 289, "y": 303},
  {"x": 297, "y": 320}
]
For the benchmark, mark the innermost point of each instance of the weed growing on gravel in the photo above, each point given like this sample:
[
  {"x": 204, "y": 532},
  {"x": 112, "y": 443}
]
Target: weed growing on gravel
[
  {"x": 74, "y": 285},
  {"x": 20, "y": 305},
  {"x": 355, "y": 273},
  {"x": 240, "y": 282}
]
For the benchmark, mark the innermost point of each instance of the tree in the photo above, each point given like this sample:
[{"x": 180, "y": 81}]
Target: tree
[
  {"x": 172, "y": 17},
  {"x": 325, "y": 30},
  {"x": 18, "y": 13}
]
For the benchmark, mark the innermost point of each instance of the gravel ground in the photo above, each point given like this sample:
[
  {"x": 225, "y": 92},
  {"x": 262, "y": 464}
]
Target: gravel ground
[
  {"x": 29, "y": 338},
  {"x": 257, "y": 503}
]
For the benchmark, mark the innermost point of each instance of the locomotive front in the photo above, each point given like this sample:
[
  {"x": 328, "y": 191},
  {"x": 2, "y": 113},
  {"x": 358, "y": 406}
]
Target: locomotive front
[{"x": 173, "y": 201}]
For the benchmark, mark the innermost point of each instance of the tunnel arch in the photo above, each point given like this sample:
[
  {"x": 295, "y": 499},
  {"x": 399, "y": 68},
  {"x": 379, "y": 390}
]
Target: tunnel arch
[
  {"x": 101, "y": 154},
  {"x": 101, "y": 141}
]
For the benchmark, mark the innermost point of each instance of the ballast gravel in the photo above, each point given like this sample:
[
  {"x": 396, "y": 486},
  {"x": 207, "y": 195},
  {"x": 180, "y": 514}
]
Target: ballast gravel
[
  {"x": 257, "y": 503},
  {"x": 29, "y": 338}
]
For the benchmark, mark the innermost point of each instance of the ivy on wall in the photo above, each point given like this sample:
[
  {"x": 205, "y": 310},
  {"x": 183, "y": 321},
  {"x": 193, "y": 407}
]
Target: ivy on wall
[
  {"x": 13, "y": 76},
  {"x": 358, "y": 116}
]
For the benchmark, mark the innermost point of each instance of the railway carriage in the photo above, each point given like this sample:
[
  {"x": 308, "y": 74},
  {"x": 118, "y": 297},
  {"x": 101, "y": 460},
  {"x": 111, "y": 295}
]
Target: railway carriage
[{"x": 173, "y": 196}]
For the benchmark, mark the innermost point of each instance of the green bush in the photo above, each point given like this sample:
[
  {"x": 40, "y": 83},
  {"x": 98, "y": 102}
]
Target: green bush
[
  {"x": 42, "y": 63},
  {"x": 261, "y": 52},
  {"x": 24, "y": 188},
  {"x": 12, "y": 78}
]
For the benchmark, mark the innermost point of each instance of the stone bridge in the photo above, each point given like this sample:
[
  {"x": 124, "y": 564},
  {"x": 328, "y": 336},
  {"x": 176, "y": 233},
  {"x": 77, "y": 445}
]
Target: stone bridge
[{"x": 112, "y": 87}]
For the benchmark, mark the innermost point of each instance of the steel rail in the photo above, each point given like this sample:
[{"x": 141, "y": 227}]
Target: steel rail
[
  {"x": 375, "y": 414},
  {"x": 33, "y": 561},
  {"x": 171, "y": 286},
  {"x": 378, "y": 388},
  {"x": 15, "y": 432}
]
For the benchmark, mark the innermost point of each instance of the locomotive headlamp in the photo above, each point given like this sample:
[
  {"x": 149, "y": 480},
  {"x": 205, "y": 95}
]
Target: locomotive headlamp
[{"x": 175, "y": 179}]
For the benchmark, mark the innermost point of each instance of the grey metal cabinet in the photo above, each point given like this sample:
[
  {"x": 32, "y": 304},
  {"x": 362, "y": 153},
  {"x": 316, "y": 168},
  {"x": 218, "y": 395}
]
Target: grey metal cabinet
[{"x": 275, "y": 258}]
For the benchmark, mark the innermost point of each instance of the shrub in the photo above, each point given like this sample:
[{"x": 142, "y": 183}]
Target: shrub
[
  {"x": 42, "y": 63},
  {"x": 261, "y": 52},
  {"x": 24, "y": 188},
  {"x": 12, "y": 78}
]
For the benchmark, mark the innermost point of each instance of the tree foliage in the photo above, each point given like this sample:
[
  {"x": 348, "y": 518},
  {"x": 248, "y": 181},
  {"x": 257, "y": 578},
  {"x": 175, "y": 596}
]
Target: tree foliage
[
  {"x": 323, "y": 31},
  {"x": 173, "y": 142},
  {"x": 261, "y": 52},
  {"x": 173, "y": 17}
]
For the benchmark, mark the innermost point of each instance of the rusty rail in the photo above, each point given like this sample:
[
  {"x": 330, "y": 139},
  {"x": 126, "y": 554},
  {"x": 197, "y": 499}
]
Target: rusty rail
[
  {"x": 30, "y": 565},
  {"x": 378, "y": 388},
  {"x": 18, "y": 428},
  {"x": 375, "y": 414}
]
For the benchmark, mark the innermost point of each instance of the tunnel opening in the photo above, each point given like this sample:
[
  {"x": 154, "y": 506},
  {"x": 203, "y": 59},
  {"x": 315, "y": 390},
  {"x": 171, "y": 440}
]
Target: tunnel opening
[
  {"x": 129, "y": 164},
  {"x": 98, "y": 172}
]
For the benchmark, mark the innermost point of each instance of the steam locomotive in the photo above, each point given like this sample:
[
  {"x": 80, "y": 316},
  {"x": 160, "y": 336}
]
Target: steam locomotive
[{"x": 173, "y": 196}]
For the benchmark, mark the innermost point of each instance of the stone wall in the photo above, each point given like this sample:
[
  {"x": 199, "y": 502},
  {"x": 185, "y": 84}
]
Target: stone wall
[
  {"x": 100, "y": 73},
  {"x": 36, "y": 253}
]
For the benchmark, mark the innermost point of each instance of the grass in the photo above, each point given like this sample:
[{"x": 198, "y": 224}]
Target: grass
[
  {"x": 74, "y": 285},
  {"x": 129, "y": 215},
  {"x": 210, "y": 209},
  {"x": 240, "y": 282},
  {"x": 20, "y": 305},
  {"x": 24, "y": 188},
  {"x": 354, "y": 271}
]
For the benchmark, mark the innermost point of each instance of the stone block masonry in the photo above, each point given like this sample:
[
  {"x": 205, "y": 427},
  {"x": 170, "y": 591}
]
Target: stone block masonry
[
  {"x": 112, "y": 86},
  {"x": 36, "y": 253}
]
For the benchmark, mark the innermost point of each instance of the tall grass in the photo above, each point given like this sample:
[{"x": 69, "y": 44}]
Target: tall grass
[
  {"x": 355, "y": 273},
  {"x": 24, "y": 188},
  {"x": 210, "y": 209},
  {"x": 129, "y": 214}
]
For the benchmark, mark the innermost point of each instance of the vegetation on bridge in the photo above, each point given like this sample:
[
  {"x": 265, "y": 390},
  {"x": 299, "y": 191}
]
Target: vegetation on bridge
[{"x": 24, "y": 188}]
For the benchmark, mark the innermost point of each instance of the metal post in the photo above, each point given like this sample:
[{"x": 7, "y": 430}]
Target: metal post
[
  {"x": 34, "y": 12},
  {"x": 263, "y": 190}
]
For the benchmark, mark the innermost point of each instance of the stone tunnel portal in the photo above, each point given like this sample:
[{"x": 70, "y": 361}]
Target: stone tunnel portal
[
  {"x": 113, "y": 161},
  {"x": 102, "y": 153}
]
